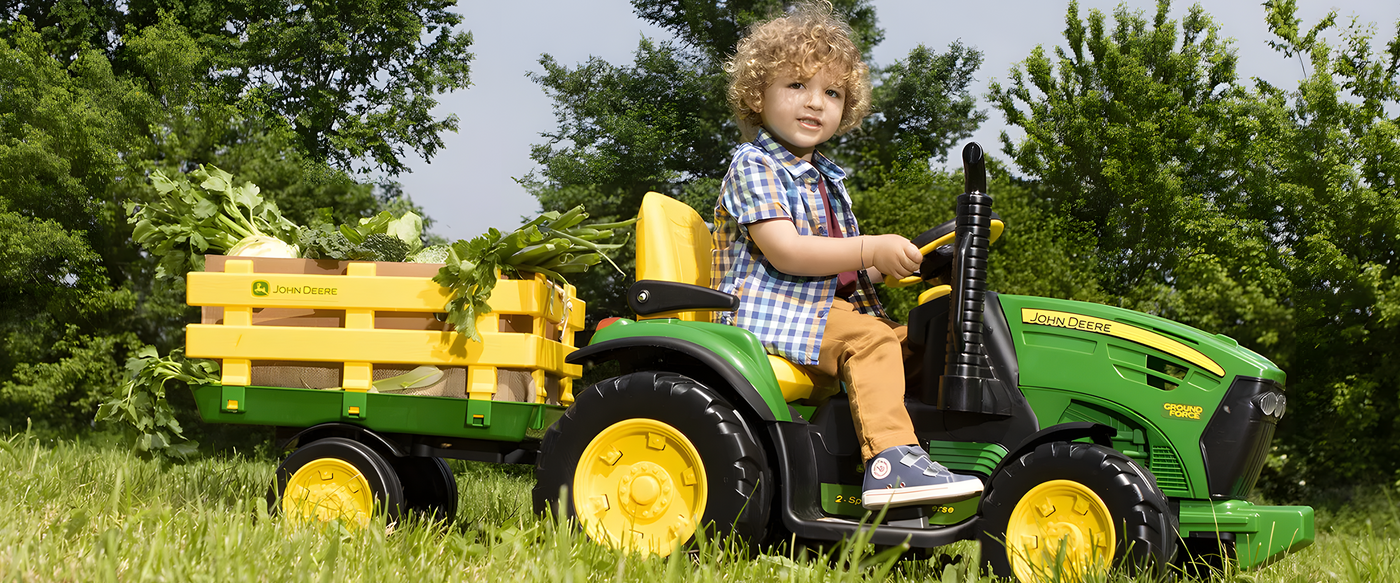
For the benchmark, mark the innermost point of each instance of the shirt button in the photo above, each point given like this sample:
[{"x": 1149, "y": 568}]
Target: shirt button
[{"x": 823, "y": 313}]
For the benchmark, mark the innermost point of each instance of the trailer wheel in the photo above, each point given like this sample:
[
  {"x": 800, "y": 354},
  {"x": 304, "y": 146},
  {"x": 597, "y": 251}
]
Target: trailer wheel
[
  {"x": 1075, "y": 508},
  {"x": 646, "y": 459},
  {"x": 335, "y": 479},
  {"x": 429, "y": 488}
]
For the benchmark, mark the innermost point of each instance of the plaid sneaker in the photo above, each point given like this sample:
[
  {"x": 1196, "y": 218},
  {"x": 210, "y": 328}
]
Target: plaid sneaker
[{"x": 904, "y": 476}]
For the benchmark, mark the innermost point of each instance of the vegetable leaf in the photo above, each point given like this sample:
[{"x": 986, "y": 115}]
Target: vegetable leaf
[
  {"x": 184, "y": 222},
  {"x": 140, "y": 406},
  {"x": 552, "y": 243}
]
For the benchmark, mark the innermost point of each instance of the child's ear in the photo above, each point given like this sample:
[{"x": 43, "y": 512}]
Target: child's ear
[
  {"x": 755, "y": 104},
  {"x": 747, "y": 131}
]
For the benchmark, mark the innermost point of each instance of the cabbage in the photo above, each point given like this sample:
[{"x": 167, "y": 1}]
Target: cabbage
[
  {"x": 431, "y": 254},
  {"x": 264, "y": 246}
]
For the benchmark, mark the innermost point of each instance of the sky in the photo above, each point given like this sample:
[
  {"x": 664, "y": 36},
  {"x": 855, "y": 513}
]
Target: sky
[{"x": 470, "y": 184}]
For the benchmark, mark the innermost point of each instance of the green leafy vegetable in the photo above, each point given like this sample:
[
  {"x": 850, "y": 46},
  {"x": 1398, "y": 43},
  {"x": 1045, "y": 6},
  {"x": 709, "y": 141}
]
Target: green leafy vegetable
[
  {"x": 378, "y": 238},
  {"x": 184, "y": 223},
  {"x": 430, "y": 254},
  {"x": 384, "y": 247},
  {"x": 140, "y": 403},
  {"x": 552, "y": 244}
]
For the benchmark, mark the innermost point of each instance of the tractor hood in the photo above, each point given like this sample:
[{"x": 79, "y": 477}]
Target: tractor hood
[{"x": 1174, "y": 352}]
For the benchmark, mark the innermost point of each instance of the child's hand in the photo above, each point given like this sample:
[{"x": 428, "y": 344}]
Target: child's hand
[{"x": 892, "y": 255}]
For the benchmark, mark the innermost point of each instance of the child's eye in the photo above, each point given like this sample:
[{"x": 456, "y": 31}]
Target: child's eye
[
  {"x": 795, "y": 85},
  {"x": 833, "y": 93}
]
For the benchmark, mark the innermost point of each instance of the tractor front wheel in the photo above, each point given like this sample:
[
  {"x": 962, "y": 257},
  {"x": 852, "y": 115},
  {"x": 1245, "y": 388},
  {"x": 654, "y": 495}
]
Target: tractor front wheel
[
  {"x": 646, "y": 459},
  {"x": 1070, "y": 511}
]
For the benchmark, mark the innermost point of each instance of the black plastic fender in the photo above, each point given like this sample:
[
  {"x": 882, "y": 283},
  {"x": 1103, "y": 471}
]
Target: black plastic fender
[
  {"x": 383, "y": 445},
  {"x": 680, "y": 356},
  {"x": 1097, "y": 432}
]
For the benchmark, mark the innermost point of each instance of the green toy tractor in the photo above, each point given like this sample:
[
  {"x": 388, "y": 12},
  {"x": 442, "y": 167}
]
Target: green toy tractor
[{"x": 1104, "y": 436}]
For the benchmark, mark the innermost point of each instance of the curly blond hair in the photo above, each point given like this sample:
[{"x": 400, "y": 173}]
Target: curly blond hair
[{"x": 801, "y": 42}]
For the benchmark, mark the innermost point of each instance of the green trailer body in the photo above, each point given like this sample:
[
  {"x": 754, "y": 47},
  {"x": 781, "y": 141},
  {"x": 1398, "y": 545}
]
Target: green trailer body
[{"x": 504, "y": 421}]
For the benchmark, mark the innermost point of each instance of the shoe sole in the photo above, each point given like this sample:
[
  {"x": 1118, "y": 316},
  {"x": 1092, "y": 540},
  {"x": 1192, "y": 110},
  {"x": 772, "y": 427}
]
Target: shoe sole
[{"x": 919, "y": 495}]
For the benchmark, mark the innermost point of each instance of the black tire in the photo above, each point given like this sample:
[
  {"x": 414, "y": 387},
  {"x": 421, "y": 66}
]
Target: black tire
[
  {"x": 429, "y": 488},
  {"x": 738, "y": 481},
  {"x": 1205, "y": 557},
  {"x": 377, "y": 472},
  {"x": 1144, "y": 525}
]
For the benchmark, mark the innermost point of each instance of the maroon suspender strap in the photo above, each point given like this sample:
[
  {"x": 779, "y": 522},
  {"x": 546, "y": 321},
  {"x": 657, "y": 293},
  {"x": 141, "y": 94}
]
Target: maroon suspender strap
[{"x": 846, "y": 280}]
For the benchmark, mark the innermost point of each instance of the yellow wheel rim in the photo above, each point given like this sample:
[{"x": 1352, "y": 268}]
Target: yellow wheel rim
[
  {"x": 1061, "y": 527},
  {"x": 327, "y": 489},
  {"x": 640, "y": 485}
]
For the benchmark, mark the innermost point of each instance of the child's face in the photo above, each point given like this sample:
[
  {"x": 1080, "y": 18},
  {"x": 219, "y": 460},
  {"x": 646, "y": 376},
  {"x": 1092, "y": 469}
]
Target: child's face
[{"x": 803, "y": 113}]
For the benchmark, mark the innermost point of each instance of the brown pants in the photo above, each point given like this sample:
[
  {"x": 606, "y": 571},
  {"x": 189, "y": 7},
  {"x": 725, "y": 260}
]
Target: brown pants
[{"x": 871, "y": 356}]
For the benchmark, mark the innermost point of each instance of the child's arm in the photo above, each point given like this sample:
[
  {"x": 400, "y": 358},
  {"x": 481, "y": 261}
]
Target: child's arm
[{"x": 814, "y": 255}]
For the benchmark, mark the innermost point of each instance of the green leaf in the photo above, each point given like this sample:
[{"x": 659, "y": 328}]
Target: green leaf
[
  {"x": 163, "y": 185},
  {"x": 217, "y": 181},
  {"x": 107, "y": 410},
  {"x": 205, "y": 208},
  {"x": 248, "y": 196}
]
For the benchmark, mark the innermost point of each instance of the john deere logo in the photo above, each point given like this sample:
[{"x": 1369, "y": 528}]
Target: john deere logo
[{"x": 263, "y": 289}]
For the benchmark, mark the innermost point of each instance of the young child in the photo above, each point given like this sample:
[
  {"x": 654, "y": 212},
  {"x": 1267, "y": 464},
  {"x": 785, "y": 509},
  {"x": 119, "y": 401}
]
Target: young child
[{"x": 786, "y": 243}]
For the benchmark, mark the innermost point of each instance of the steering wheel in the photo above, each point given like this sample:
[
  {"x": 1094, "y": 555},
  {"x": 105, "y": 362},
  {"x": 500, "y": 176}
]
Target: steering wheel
[{"x": 936, "y": 245}]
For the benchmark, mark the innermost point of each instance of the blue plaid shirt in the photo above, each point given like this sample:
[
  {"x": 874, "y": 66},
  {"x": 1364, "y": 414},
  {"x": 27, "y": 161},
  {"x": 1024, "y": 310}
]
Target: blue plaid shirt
[{"x": 786, "y": 312}]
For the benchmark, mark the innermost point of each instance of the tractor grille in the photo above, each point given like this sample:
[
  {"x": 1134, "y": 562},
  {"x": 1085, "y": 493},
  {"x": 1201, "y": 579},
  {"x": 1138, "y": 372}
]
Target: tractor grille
[
  {"x": 1167, "y": 468},
  {"x": 1236, "y": 441}
]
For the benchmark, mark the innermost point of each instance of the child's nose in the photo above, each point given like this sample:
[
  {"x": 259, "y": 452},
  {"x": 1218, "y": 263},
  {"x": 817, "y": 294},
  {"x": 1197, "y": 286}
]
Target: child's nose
[{"x": 814, "y": 100}]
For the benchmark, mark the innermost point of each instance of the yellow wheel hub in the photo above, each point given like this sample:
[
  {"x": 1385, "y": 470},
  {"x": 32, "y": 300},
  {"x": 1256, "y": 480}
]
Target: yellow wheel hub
[
  {"x": 327, "y": 489},
  {"x": 640, "y": 485},
  {"x": 1060, "y": 527}
]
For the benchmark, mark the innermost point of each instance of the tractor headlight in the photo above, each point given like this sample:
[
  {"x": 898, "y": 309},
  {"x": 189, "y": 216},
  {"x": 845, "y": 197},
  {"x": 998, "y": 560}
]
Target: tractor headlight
[{"x": 1272, "y": 404}]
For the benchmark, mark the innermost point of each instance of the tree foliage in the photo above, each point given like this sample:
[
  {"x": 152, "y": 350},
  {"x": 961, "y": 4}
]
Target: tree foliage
[
  {"x": 662, "y": 124},
  {"x": 97, "y": 95},
  {"x": 352, "y": 80},
  {"x": 1265, "y": 214}
]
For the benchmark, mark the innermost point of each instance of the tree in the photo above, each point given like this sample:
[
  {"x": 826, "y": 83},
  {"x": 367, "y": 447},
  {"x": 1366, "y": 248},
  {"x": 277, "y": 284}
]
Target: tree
[
  {"x": 1267, "y": 215},
  {"x": 97, "y": 95},
  {"x": 662, "y": 123},
  {"x": 353, "y": 81},
  {"x": 64, "y": 129},
  {"x": 1330, "y": 192}
]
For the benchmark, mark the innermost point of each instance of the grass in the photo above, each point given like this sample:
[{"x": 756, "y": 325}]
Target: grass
[{"x": 77, "y": 511}]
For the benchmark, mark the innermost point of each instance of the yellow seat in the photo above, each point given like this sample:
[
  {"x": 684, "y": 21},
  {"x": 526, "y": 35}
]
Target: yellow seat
[{"x": 673, "y": 244}]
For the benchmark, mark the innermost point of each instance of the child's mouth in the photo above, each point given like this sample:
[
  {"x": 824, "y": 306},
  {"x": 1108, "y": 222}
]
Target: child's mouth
[{"x": 810, "y": 123}]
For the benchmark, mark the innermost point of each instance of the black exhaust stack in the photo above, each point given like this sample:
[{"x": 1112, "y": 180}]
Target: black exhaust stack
[{"x": 968, "y": 383}]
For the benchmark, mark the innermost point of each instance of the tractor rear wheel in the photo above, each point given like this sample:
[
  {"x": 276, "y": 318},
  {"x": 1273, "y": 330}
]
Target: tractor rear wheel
[
  {"x": 335, "y": 479},
  {"x": 1075, "y": 509},
  {"x": 646, "y": 459}
]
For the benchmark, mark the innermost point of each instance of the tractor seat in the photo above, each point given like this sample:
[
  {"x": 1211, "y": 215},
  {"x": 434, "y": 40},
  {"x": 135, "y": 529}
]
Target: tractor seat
[{"x": 673, "y": 278}]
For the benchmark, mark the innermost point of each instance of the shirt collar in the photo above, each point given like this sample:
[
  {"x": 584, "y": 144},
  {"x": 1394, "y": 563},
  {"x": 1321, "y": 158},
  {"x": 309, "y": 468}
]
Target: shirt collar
[{"x": 795, "y": 165}]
